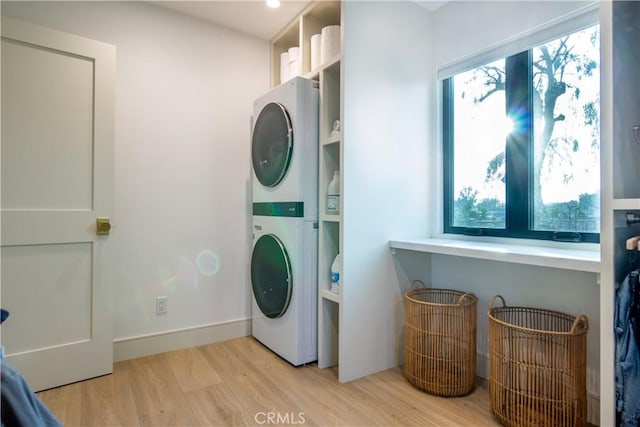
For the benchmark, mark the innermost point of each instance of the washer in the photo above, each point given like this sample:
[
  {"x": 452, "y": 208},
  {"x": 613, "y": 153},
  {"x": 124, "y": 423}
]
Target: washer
[
  {"x": 284, "y": 259},
  {"x": 284, "y": 277},
  {"x": 284, "y": 145}
]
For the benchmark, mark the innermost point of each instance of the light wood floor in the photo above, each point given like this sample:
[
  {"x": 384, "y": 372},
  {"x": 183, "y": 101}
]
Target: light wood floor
[{"x": 240, "y": 382}]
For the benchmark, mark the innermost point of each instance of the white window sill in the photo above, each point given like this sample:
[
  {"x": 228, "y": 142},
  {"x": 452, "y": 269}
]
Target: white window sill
[{"x": 582, "y": 259}]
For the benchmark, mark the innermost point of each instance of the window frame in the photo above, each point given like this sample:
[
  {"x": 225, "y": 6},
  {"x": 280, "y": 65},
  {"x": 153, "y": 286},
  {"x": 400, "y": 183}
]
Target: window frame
[{"x": 519, "y": 206}]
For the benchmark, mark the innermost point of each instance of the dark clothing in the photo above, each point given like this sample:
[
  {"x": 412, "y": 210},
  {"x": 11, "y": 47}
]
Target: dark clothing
[{"x": 627, "y": 372}]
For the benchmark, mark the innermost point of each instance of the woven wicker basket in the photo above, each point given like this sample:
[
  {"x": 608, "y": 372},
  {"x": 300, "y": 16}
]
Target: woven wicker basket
[
  {"x": 440, "y": 340},
  {"x": 537, "y": 363}
]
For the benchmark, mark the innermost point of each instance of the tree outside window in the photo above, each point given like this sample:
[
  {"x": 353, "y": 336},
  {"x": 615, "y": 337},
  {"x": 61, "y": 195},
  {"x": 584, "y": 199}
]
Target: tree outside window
[{"x": 521, "y": 139}]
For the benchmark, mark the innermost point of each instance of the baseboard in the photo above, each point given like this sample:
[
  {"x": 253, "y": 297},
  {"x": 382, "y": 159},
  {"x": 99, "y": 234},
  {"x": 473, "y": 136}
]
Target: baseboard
[
  {"x": 146, "y": 345},
  {"x": 593, "y": 397}
]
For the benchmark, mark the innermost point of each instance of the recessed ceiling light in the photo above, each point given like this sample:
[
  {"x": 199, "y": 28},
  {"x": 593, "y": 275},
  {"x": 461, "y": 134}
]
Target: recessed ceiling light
[{"x": 273, "y": 4}]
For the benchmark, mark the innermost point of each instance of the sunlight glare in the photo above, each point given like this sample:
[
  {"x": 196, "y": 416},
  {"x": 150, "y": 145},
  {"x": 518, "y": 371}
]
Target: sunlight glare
[
  {"x": 507, "y": 126},
  {"x": 273, "y": 4}
]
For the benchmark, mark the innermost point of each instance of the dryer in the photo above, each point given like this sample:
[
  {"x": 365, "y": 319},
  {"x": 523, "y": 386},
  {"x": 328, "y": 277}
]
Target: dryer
[
  {"x": 284, "y": 277},
  {"x": 284, "y": 258},
  {"x": 284, "y": 146}
]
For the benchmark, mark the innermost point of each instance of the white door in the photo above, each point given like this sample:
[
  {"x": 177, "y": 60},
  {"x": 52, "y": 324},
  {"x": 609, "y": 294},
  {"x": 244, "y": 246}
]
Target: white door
[{"x": 57, "y": 178}]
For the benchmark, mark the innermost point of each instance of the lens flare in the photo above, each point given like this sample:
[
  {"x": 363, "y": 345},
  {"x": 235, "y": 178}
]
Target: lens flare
[
  {"x": 207, "y": 262},
  {"x": 507, "y": 125},
  {"x": 166, "y": 276}
]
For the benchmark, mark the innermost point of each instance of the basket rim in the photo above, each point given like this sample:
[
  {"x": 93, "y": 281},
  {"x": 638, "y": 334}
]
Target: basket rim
[
  {"x": 466, "y": 298},
  {"x": 579, "y": 320},
  {"x": 580, "y": 324}
]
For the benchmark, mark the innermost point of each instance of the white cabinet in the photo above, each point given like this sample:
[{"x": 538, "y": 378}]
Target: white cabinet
[{"x": 620, "y": 148}]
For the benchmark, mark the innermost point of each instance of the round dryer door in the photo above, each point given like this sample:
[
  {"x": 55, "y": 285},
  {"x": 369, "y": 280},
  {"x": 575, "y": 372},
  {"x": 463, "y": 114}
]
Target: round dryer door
[
  {"x": 272, "y": 144},
  {"x": 271, "y": 277}
]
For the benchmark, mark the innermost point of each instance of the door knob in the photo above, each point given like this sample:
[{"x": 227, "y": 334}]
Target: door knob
[{"x": 103, "y": 226}]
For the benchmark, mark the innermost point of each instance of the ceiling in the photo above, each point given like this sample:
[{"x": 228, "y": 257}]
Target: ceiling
[{"x": 251, "y": 16}]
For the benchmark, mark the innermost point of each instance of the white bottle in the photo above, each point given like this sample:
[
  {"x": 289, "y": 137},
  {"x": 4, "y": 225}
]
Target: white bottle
[
  {"x": 336, "y": 274},
  {"x": 333, "y": 194}
]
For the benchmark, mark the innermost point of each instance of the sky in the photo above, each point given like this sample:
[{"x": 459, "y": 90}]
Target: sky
[{"x": 482, "y": 135}]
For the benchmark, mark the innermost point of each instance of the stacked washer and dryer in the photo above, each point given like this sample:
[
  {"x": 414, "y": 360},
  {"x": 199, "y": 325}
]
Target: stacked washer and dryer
[{"x": 284, "y": 151}]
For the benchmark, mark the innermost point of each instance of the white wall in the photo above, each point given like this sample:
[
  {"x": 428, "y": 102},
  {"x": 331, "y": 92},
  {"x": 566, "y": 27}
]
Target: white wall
[
  {"x": 184, "y": 96},
  {"x": 386, "y": 172},
  {"x": 462, "y": 28}
]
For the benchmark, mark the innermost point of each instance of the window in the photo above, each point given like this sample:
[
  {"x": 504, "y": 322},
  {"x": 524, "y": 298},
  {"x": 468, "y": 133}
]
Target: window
[{"x": 521, "y": 144}]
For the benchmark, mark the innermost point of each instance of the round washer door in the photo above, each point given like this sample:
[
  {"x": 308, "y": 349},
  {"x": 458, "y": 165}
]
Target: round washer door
[
  {"x": 271, "y": 277},
  {"x": 272, "y": 144}
]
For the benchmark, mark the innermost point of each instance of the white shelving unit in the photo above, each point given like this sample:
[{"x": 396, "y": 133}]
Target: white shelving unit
[
  {"x": 620, "y": 100},
  {"x": 298, "y": 33},
  {"x": 330, "y": 234}
]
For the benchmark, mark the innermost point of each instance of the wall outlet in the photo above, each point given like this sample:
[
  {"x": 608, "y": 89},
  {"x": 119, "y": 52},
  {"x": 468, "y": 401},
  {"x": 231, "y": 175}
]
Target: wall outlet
[{"x": 161, "y": 305}]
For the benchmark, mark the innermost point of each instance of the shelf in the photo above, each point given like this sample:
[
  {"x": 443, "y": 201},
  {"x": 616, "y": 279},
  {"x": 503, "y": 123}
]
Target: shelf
[
  {"x": 553, "y": 257},
  {"x": 289, "y": 36},
  {"x": 327, "y": 294},
  {"x": 334, "y": 138},
  {"x": 332, "y": 62},
  {"x": 625, "y": 204},
  {"x": 330, "y": 217}
]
